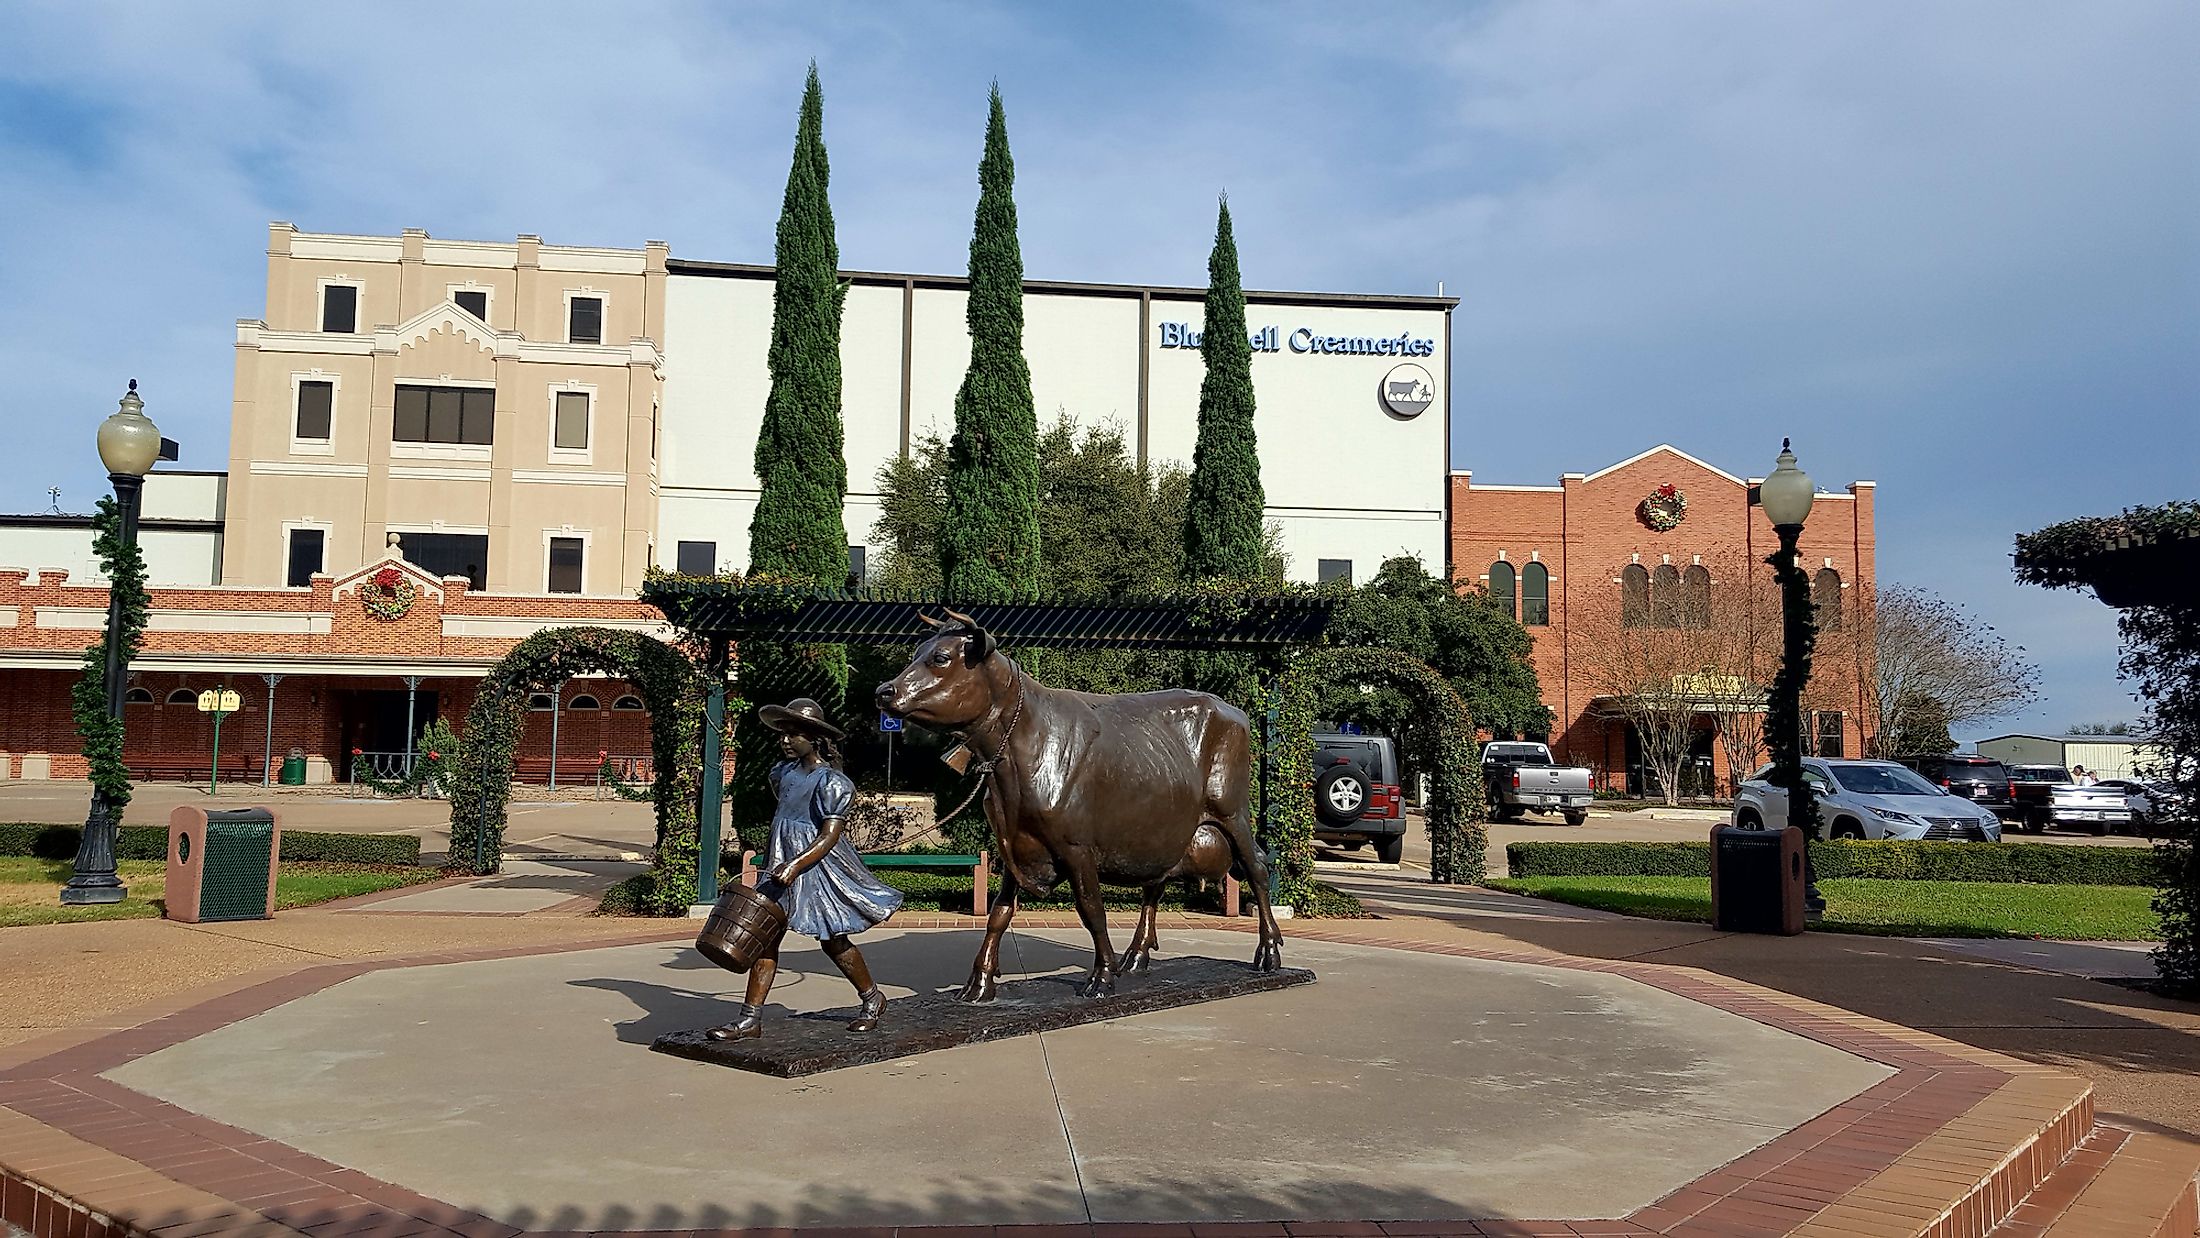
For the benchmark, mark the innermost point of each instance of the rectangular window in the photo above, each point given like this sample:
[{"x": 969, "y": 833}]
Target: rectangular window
[
  {"x": 1334, "y": 569},
  {"x": 571, "y": 430},
  {"x": 697, "y": 558},
  {"x": 306, "y": 549},
  {"x": 474, "y": 301},
  {"x": 1830, "y": 732},
  {"x": 584, "y": 321},
  {"x": 449, "y": 554},
  {"x": 316, "y": 409},
  {"x": 443, "y": 415},
  {"x": 565, "y": 565},
  {"x": 857, "y": 568},
  {"x": 340, "y": 309}
]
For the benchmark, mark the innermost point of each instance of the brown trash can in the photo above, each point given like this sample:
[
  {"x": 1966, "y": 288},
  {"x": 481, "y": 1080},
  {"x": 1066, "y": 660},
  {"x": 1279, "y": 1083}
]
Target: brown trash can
[
  {"x": 1757, "y": 880},
  {"x": 221, "y": 864}
]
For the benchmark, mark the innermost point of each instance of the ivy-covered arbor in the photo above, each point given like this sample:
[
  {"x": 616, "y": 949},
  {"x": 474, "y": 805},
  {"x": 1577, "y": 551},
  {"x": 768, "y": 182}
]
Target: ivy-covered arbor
[
  {"x": 670, "y": 688},
  {"x": 1281, "y": 631},
  {"x": 2146, "y": 563}
]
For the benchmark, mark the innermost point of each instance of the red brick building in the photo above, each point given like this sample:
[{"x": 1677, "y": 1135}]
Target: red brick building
[
  {"x": 1577, "y": 558},
  {"x": 337, "y": 676}
]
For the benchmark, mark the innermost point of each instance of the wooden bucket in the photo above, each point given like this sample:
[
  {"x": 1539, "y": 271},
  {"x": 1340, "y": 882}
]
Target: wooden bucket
[{"x": 742, "y": 928}]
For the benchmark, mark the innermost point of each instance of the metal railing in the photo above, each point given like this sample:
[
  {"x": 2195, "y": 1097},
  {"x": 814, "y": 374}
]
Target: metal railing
[{"x": 387, "y": 766}]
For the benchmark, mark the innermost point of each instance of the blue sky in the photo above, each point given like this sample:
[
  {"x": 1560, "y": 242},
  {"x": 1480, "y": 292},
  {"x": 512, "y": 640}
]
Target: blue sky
[{"x": 1950, "y": 247}]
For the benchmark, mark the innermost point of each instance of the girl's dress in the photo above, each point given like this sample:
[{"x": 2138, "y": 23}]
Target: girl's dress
[{"x": 837, "y": 895}]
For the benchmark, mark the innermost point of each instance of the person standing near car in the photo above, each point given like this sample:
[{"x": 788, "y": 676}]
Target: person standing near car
[{"x": 2082, "y": 776}]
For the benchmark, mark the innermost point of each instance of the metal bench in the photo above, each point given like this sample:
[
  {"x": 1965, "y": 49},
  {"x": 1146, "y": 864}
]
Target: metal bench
[{"x": 976, "y": 864}]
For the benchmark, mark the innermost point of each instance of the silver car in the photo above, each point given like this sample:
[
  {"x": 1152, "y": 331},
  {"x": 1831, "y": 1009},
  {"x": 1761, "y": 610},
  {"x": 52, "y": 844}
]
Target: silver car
[{"x": 1868, "y": 799}]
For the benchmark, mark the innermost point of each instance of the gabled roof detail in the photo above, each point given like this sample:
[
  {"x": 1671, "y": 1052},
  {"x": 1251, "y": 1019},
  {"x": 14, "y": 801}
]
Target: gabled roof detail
[
  {"x": 445, "y": 316},
  {"x": 1669, "y": 449},
  {"x": 422, "y": 582}
]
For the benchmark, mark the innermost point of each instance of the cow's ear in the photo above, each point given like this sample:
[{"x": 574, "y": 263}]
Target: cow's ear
[{"x": 977, "y": 646}]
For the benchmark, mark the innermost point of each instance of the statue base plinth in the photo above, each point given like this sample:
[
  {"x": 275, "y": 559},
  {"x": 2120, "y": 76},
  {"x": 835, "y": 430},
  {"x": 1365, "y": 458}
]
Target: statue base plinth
[{"x": 808, "y": 1044}]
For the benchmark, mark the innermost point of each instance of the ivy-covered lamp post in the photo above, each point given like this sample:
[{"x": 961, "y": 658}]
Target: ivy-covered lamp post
[
  {"x": 129, "y": 443},
  {"x": 1786, "y": 497}
]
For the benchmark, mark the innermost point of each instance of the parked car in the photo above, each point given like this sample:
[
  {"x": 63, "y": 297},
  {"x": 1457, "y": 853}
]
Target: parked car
[
  {"x": 2032, "y": 794},
  {"x": 2149, "y": 803},
  {"x": 1521, "y": 777},
  {"x": 1868, "y": 799},
  {"x": 2097, "y": 808},
  {"x": 1357, "y": 797},
  {"x": 1982, "y": 780}
]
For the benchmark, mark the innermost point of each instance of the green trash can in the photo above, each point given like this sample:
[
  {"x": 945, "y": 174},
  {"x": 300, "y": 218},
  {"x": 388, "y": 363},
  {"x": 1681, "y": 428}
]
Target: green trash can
[{"x": 294, "y": 768}]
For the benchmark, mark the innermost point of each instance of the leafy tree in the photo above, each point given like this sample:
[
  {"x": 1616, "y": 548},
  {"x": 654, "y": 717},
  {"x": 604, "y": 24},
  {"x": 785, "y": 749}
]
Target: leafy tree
[
  {"x": 1223, "y": 522},
  {"x": 1477, "y": 647},
  {"x": 989, "y": 538},
  {"x": 2099, "y": 728},
  {"x": 801, "y": 463}
]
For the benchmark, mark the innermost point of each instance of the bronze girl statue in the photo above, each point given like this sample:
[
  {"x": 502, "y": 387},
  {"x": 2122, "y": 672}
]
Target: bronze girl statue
[{"x": 813, "y": 870}]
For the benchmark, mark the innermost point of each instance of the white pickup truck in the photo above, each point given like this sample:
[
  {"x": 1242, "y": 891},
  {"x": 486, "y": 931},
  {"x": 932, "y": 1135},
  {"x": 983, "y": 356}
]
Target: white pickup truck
[{"x": 1521, "y": 777}]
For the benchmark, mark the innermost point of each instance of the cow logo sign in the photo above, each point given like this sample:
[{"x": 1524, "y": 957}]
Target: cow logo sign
[{"x": 1408, "y": 390}]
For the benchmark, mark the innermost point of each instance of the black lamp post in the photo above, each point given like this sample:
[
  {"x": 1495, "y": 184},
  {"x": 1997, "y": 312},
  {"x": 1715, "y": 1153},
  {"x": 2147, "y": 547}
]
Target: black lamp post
[
  {"x": 129, "y": 443},
  {"x": 1786, "y": 498}
]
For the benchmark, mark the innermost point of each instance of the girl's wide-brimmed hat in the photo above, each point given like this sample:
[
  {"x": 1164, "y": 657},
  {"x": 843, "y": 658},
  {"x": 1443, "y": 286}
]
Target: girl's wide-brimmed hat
[{"x": 800, "y": 714}]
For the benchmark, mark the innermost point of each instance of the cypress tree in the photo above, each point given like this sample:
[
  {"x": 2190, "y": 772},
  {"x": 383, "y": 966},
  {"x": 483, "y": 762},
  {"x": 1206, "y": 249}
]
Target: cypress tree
[
  {"x": 801, "y": 464},
  {"x": 1223, "y": 523},
  {"x": 989, "y": 536},
  {"x": 800, "y": 461}
]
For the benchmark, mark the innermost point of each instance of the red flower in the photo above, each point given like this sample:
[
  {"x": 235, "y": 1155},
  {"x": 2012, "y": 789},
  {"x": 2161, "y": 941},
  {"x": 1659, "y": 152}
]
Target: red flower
[
  {"x": 432, "y": 756},
  {"x": 601, "y": 753},
  {"x": 357, "y": 752}
]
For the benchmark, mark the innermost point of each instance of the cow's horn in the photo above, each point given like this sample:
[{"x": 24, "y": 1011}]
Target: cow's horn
[
  {"x": 959, "y": 617},
  {"x": 929, "y": 621}
]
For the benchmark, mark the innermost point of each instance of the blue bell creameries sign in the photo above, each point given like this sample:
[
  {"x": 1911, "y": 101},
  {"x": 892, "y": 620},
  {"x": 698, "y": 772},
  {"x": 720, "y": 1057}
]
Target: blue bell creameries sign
[{"x": 1306, "y": 340}]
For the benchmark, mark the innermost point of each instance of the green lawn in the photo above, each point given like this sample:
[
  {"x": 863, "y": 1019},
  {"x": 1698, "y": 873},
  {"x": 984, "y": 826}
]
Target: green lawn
[
  {"x": 30, "y": 889},
  {"x": 1889, "y": 908}
]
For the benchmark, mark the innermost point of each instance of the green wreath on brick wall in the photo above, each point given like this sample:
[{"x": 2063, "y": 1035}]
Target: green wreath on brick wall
[
  {"x": 1442, "y": 747},
  {"x": 669, "y": 686}
]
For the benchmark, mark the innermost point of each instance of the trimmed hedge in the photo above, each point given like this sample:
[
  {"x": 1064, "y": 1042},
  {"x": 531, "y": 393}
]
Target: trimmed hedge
[
  {"x": 2028, "y": 863},
  {"x": 150, "y": 842}
]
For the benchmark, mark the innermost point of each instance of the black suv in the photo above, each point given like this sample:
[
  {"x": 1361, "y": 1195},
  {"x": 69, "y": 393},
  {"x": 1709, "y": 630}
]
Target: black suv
[
  {"x": 1357, "y": 799},
  {"x": 1982, "y": 780}
]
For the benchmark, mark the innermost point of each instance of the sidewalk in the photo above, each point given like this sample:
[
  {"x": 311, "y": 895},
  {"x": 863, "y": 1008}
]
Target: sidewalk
[{"x": 2141, "y": 1052}]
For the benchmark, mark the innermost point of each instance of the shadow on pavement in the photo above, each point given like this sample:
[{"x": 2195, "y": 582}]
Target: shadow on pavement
[{"x": 912, "y": 962}]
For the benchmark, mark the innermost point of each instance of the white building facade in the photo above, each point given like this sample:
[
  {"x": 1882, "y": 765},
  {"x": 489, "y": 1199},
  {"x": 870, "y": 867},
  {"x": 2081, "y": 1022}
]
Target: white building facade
[{"x": 1353, "y": 401}]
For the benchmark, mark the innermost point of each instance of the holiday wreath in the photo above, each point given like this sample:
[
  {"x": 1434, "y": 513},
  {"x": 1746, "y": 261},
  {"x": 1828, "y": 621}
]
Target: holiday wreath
[
  {"x": 387, "y": 594},
  {"x": 1664, "y": 508}
]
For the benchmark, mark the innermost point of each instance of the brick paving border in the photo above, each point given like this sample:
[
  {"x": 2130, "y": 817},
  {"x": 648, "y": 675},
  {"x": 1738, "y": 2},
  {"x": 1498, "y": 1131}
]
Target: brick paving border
[{"x": 1947, "y": 1146}]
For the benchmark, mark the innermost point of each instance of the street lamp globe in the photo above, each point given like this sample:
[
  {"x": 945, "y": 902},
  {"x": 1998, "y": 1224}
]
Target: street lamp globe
[
  {"x": 129, "y": 442},
  {"x": 1786, "y": 495}
]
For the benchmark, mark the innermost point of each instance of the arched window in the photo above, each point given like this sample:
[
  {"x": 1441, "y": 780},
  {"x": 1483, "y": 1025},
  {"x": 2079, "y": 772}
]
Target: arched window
[
  {"x": 629, "y": 701},
  {"x": 1501, "y": 585},
  {"x": 1666, "y": 606},
  {"x": 183, "y": 696},
  {"x": 137, "y": 696},
  {"x": 583, "y": 701},
  {"x": 1535, "y": 595},
  {"x": 1825, "y": 599},
  {"x": 1634, "y": 596},
  {"x": 1696, "y": 597},
  {"x": 540, "y": 701}
]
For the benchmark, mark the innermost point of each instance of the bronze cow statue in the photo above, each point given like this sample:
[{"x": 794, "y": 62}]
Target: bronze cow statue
[{"x": 1134, "y": 789}]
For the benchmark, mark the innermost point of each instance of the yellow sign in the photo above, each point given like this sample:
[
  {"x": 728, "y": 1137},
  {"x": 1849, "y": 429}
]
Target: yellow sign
[{"x": 225, "y": 701}]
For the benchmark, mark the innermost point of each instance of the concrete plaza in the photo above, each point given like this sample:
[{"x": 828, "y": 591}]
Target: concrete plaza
[{"x": 1400, "y": 1085}]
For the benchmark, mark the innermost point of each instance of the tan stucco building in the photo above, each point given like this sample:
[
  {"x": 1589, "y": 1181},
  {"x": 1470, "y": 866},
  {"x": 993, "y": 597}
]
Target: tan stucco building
[{"x": 493, "y": 405}]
